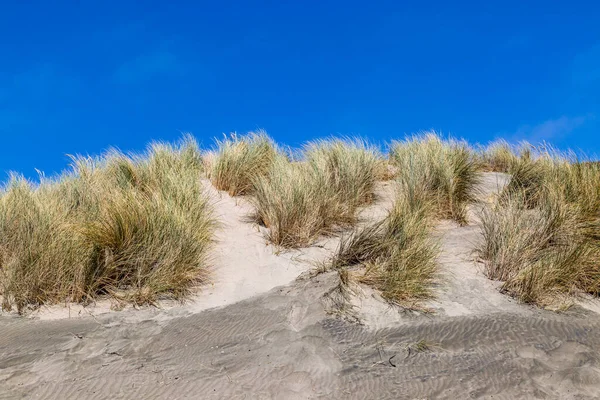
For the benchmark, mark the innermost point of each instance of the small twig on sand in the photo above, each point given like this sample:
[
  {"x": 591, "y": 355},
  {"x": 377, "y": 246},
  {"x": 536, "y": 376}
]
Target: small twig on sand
[{"x": 390, "y": 361}]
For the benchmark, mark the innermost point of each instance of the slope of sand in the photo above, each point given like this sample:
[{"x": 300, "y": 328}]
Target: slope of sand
[{"x": 289, "y": 342}]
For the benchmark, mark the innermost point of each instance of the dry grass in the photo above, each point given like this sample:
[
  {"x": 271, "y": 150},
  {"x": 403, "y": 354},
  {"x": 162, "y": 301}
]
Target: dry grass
[
  {"x": 530, "y": 169},
  {"x": 298, "y": 201},
  {"x": 385, "y": 171},
  {"x": 349, "y": 168},
  {"x": 448, "y": 170},
  {"x": 398, "y": 254},
  {"x": 136, "y": 228},
  {"x": 543, "y": 237},
  {"x": 498, "y": 156},
  {"x": 239, "y": 161},
  {"x": 292, "y": 202}
]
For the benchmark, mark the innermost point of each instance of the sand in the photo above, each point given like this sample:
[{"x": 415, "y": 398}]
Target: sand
[{"x": 259, "y": 332}]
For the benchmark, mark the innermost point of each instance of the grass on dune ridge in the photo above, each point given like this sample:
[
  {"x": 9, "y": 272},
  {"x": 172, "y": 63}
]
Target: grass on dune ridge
[
  {"x": 435, "y": 178},
  {"x": 239, "y": 160},
  {"x": 136, "y": 228},
  {"x": 447, "y": 169},
  {"x": 300, "y": 200},
  {"x": 499, "y": 156},
  {"x": 542, "y": 238}
]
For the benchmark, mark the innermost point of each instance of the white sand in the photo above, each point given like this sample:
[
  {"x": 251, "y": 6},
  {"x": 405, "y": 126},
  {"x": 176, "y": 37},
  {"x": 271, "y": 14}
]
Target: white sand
[{"x": 245, "y": 264}]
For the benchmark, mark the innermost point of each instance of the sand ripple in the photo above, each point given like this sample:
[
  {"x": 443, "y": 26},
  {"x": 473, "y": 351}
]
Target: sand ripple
[{"x": 284, "y": 345}]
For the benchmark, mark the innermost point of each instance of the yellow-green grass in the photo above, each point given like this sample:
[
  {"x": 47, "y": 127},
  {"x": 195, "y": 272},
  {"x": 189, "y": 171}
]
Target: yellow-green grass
[
  {"x": 135, "y": 228},
  {"x": 541, "y": 254},
  {"x": 498, "y": 156},
  {"x": 239, "y": 160},
  {"x": 349, "y": 168},
  {"x": 543, "y": 237},
  {"x": 542, "y": 169},
  {"x": 138, "y": 228},
  {"x": 299, "y": 201},
  {"x": 448, "y": 170},
  {"x": 397, "y": 255}
]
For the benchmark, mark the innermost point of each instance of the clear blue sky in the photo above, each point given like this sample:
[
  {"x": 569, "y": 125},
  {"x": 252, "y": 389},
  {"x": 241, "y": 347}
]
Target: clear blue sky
[{"x": 79, "y": 77}]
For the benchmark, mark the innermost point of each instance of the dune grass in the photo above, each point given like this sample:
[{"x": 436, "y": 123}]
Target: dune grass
[
  {"x": 529, "y": 171},
  {"x": 350, "y": 168},
  {"x": 397, "y": 254},
  {"x": 292, "y": 202},
  {"x": 300, "y": 200},
  {"x": 542, "y": 238},
  {"x": 239, "y": 161},
  {"x": 447, "y": 169},
  {"x": 499, "y": 156},
  {"x": 136, "y": 228}
]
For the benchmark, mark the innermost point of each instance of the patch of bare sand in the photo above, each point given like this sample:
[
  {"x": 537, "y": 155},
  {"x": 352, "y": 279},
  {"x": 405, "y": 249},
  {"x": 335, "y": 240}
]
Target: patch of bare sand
[
  {"x": 245, "y": 263},
  {"x": 284, "y": 345},
  {"x": 289, "y": 343},
  {"x": 463, "y": 289}
]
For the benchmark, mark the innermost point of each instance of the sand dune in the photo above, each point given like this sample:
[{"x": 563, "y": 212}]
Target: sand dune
[
  {"x": 259, "y": 332},
  {"x": 284, "y": 345}
]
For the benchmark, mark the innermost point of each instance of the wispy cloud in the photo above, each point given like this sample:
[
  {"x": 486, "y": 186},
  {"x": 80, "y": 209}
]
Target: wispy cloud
[
  {"x": 551, "y": 129},
  {"x": 160, "y": 63}
]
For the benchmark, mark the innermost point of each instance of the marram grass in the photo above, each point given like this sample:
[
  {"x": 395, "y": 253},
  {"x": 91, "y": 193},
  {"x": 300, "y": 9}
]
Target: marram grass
[
  {"x": 240, "y": 160},
  {"x": 136, "y": 228},
  {"x": 447, "y": 169},
  {"x": 398, "y": 254},
  {"x": 542, "y": 238},
  {"x": 301, "y": 200}
]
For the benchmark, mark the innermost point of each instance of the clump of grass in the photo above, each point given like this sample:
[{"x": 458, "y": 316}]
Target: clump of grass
[
  {"x": 543, "y": 237},
  {"x": 398, "y": 254},
  {"x": 349, "y": 168},
  {"x": 541, "y": 170},
  {"x": 298, "y": 201},
  {"x": 292, "y": 201},
  {"x": 530, "y": 170},
  {"x": 421, "y": 346},
  {"x": 447, "y": 169},
  {"x": 35, "y": 246},
  {"x": 239, "y": 160},
  {"x": 136, "y": 228},
  {"x": 498, "y": 156}
]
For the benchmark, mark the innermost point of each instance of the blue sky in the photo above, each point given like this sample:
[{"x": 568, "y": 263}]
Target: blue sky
[{"x": 80, "y": 77}]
